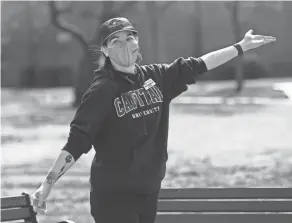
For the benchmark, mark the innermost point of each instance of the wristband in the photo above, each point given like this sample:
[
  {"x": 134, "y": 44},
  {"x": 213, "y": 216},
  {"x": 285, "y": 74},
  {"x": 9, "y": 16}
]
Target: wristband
[{"x": 239, "y": 49}]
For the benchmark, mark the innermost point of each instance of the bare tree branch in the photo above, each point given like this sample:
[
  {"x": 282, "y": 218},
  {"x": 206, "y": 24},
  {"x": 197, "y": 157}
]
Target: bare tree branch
[{"x": 65, "y": 26}]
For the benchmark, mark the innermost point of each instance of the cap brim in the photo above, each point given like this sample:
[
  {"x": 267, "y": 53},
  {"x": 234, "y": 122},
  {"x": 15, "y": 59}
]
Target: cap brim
[{"x": 121, "y": 30}]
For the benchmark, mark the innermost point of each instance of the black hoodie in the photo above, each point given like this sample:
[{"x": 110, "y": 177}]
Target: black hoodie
[{"x": 126, "y": 117}]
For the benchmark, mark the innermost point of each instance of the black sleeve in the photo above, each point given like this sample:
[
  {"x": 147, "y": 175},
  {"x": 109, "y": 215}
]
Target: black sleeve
[
  {"x": 182, "y": 72},
  {"x": 94, "y": 107}
]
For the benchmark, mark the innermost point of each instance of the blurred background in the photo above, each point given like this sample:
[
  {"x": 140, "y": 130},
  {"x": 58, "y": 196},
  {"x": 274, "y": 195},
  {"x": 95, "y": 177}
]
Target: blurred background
[{"x": 232, "y": 128}]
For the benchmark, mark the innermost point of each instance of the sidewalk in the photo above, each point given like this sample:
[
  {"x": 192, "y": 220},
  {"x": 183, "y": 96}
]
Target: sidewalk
[
  {"x": 230, "y": 101},
  {"x": 255, "y": 92}
]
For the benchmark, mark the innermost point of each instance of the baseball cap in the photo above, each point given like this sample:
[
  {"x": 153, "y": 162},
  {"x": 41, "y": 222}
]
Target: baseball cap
[{"x": 113, "y": 26}]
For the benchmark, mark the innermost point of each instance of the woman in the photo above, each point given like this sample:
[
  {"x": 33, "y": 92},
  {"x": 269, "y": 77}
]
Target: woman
[{"x": 124, "y": 114}]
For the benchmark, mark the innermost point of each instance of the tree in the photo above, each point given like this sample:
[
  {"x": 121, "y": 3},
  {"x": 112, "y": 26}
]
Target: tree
[
  {"x": 87, "y": 65},
  {"x": 155, "y": 11},
  {"x": 233, "y": 8},
  {"x": 198, "y": 28}
]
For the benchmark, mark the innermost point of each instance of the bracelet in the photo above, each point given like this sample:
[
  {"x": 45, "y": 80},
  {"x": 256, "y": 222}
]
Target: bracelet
[{"x": 239, "y": 49}]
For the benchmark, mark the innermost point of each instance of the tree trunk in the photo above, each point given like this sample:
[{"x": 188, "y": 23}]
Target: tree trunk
[
  {"x": 233, "y": 8},
  {"x": 153, "y": 11},
  {"x": 87, "y": 65},
  {"x": 85, "y": 75},
  {"x": 239, "y": 75},
  {"x": 198, "y": 29},
  {"x": 85, "y": 71}
]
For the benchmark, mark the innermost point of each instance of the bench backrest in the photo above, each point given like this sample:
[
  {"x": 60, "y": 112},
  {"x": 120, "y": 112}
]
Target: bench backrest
[
  {"x": 204, "y": 205},
  {"x": 240, "y": 205},
  {"x": 17, "y": 208}
]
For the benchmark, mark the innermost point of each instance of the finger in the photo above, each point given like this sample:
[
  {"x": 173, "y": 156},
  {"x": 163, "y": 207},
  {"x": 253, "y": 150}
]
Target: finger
[
  {"x": 269, "y": 41},
  {"x": 261, "y": 37},
  {"x": 41, "y": 211},
  {"x": 258, "y": 37},
  {"x": 258, "y": 43},
  {"x": 43, "y": 205},
  {"x": 269, "y": 38},
  {"x": 38, "y": 202},
  {"x": 35, "y": 200},
  {"x": 35, "y": 209},
  {"x": 265, "y": 40}
]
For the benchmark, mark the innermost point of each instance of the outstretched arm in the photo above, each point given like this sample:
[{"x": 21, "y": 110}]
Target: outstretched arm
[
  {"x": 250, "y": 41},
  {"x": 183, "y": 72}
]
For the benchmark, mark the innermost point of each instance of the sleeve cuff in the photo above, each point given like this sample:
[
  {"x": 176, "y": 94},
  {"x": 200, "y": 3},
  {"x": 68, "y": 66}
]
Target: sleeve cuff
[
  {"x": 202, "y": 68},
  {"x": 75, "y": 153}
]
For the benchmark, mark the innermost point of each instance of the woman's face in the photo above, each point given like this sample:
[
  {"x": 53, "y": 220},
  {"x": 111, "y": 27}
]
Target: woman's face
[{"x": 123, "y": 48}]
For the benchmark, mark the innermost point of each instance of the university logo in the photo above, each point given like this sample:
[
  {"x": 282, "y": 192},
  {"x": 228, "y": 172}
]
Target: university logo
[{"x": 130, "y": 101}]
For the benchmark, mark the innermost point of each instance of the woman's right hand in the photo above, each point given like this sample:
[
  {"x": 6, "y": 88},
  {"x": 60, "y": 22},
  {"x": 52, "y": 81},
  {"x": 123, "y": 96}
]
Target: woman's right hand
[{"x": 39, "y": 198}]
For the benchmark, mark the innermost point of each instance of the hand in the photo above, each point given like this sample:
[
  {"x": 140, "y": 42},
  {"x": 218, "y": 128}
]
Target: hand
[
  {"x": 39, "y": 198},
  {"x": 251, "y": 41}
]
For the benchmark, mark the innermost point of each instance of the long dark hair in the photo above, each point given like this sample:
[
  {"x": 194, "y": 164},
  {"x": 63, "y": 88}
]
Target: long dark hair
[{"x": 96, "y": 55}]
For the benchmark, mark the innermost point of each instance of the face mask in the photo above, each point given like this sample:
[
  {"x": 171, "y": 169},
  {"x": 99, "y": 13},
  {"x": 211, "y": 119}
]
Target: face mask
[{"x": 126, "y": 54}]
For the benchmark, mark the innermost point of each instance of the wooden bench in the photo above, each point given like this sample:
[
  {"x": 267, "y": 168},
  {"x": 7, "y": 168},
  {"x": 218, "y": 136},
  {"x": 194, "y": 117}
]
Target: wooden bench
[
  {"x": 17, "y": 208},
  {"x": 225, "y": 205},
  {"x": 201, "y": 205}
]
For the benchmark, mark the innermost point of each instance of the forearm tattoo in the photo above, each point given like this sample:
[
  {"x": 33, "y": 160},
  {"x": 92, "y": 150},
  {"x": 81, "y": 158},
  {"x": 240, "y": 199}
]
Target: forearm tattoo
[
  {"x": 52, "y": 177},
  {"x": 68, "y": 160}
]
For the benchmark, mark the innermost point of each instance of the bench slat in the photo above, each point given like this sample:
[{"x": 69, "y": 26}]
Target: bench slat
[
  {"x": 12, "y": 202},
  {"x": 15, "y": 214},
  {"x": 23, "y": 222},
  {"x": 226, "y": 193},
  {"x": 224, "y": 206},
  {"x": 224, "y": 218}
]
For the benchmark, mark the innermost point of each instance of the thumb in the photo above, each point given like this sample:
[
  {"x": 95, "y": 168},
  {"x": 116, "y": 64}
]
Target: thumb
[
  {"x": 36, "y": 198},
  {"x": 250, "y": 31}
]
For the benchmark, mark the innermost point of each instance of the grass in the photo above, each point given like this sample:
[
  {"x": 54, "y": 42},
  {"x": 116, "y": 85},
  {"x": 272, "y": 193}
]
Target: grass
[
  {"x": 70, "y": 197},
  {"x": 209, "y": 146}
]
